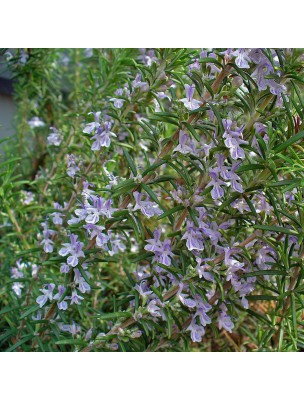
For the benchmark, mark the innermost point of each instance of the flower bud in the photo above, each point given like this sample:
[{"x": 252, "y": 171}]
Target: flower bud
[{"x": 237, "y": 81}]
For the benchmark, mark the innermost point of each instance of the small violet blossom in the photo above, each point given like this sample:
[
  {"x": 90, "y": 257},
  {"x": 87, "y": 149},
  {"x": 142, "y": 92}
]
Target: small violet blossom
[
  {"x": 74, "y": 249},
  {"x": 47, "y": 294},
  {"x": 54, "y": 138},
  {"x": 233, "y": 139},
  {"x": 189, "y": 102},
  {"x": 147, "y": 207}
]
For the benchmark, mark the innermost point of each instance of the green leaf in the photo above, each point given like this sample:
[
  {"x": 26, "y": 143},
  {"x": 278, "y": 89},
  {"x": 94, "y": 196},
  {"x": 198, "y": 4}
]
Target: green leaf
[
  {"x": 29, "y": 311},
  {"x": 261, "y": 297},
  {"x": 71, "y": 341},
  {"x": 130, "y": 162},
  {"x": 276, "y": 229},
  {"x": 172, "y": 211},
  {"x": 289, "y": 142},
  {"x": 115, "y": 315},
  {"x": 265, "y": 272}
]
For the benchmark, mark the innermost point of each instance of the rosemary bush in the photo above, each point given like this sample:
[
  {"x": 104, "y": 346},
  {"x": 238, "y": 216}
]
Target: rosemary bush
[{"x": 152, "y": 200}]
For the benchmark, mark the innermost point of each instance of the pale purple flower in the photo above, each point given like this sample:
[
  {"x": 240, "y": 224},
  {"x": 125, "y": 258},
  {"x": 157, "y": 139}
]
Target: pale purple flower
[
  {"x": 194, "y": 238},
  {"x": 143, "y": 289},
  {"x": 154, "y": 244},
  {"x": 214, "y": 69},
  {"x": 265, "y": 256},
  {"x": 100, "y": 207},
  {"x": 147, "y": 207},
  {"x": 189, "y": 102},
  {"x": 117, "y": 243},
  {"x": 118, "y": 103},
  {"x": 234, "y": 178},
  {"x": 74, "y": 249},
  {"x": 83, "y": 286},
  {"x": 97, "y": 231},
  {"x": 242, "y": 58},
  {"x": 153, "y": 308},
  {"x": 148, "y": 57},
  {"x": 36, "y": 122},
  {"x": 201, "y": 311},
  {"x": 63, "y": 305},
  {"x": 224, "y": 320},
  {"x": 16, "y": 272},
  {"x": 233, "y": 139},
  {"x": 73, "y": 328},
  {"x": 182, "y": 147},
  {"x": 261, "y": 205},
  {"x": 57, "y": 216},
  {"x": 233, "y": 266},
  {"x": 262, "y": 70},
  {"x": 102, "y": 136},
  {"x": 162, "y": 250},
  {"x": 76, "y": 298},
  {"x": 27, "y": 197},
  {"x": 92, "y": 126},
  {"x": 54, "y": 138},
  {"x": 256, "y": 55},
  {"x": 47, "y": 294},
  {"x": 217, "y": 191},
  {"x": 259, "y": 127},
  {"x": 195, "y": 66},
  {"x": 64, "y": 268},
  {"x": 241, "y": 205},
  {"x": 197, "y": 331},
  {"x": 47, "y": 242},
  {"x": 201, "y": 269},
  {"x": 73, "y": 168},
  {"x": 88, "y": 334},
  {"x": 184, "y": 297},
  {"x": 138, "y": 84}
]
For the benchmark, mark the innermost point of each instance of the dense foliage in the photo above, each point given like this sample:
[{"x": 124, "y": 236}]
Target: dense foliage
[{"x": 152, "y": 200}]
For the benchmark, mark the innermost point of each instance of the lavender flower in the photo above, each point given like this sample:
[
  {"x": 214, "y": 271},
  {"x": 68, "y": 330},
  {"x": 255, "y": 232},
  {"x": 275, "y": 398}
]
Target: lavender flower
[
  {"x": 73, "y": 168},
  {"x": 73, "y": 328},
  {"x": 189, "y": 102},
  {"x": 47, "y": 242},
  {"x": 217, "y": 191},
  {"x": 36, "y": 122},
  {"x": 54, "y": 138},
  {"x": 197, "y": 331},
  {"x": 97, "y": 232},
  {"x": 162, "y": 250},
  {"x": 47, "y": 294},
  {"x": 76, "y": 298},
  {"x": 138, "y": 84},
  {"x": 147, "y": 207},
  {"x": 89, "y": 128},
  {"x": 182, "y": 146},
  {"x": 153, "y": 308},
  {"x": 201, "y": 269},
  {"x": 63, "y": 305},
  {"x": 83, "y": 286},
  {"x": 74, "y": 249},
  {"x": 143, "y": 289},
  {"x": 184, "y": 298},
  {"x": 118, "y": 103},
  {"x": 57, "y": 216},
  {"x": 100, "y": 207},
  {"x": 102, "y": 136},
  {"x": 242, "y": 58},
  {"x": 234, "y": 139},
  {"x": 193, "y": 237},
  {"x": 224, "y": 320}
]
